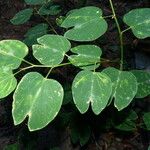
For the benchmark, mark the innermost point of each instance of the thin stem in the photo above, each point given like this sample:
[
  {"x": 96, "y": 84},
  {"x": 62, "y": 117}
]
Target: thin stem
[
  {"x": 126, "y": 30},
  {"x": 42, "y": 66},
  {"x": 120, "y": 34},
  {"x": 53, "y": 29},
  {"x": 59, "y": 65},
  {"x": 27, "y": 62},
  {"x": 23, "y": 69},
  {"x": 110, "y": 16},
  {"x": 48, "y": 73}
]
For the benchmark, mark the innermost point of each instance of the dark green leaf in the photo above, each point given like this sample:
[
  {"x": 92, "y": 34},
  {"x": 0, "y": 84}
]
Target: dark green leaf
[
  {"x": 34, "y": 33},
  {"x": 22, "y": 16},
  {"x": 35, "y": 2},
  {"x": 50, "y": 9},
  {"x": 146, "y": 119}
]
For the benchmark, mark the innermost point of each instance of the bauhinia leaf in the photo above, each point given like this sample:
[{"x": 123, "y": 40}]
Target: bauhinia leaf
[
  {"x": 22, "y": 16},
  {"x": 87, "y": 24},
  {"x": 91, "y": 88},
  {"x": 38, "y": 98},
  {"x": 7, "y": 82},
  {"x": 34, "y": 33},
  {"x": 139, "y": 22},
  {"x": 87, "y": 56},
  {"x": 51, "y": 49},
  {"x": 124, "y": 87},
  {"x": 12, "y": 53},
  {"x": 143, "y": 79}
]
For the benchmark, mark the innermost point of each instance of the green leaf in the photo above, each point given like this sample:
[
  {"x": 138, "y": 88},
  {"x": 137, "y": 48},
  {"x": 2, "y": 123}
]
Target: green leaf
[
  {"x": 7, "y": 82},
  {"x": 12, "y": 53},
  {"x": 87, "y": 56},
  {"x": 22, "y": 16},
  {"x": 146, "y": 119},
  {"x": 149, "y": 147},
  {"x": 51, "y": 49},
  {"x": 38, "y": 98},
  {"x": 129, "y": 123},
  {"x": 50, "y": 9},
  {"x": 87, "y": 24},
  {"x": 35, "y": 2},
  {"x": 143, "y": 79},
  {"x": 34, "y": 33},
  {"x": 139, "y": 22},
  {"x": 124, "y": 87},
  {"x": 91, "y": 87}
]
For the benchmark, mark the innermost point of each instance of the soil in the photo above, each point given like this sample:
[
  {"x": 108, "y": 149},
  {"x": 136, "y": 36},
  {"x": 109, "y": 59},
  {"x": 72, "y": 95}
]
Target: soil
[{"x": 50, "y": 136}]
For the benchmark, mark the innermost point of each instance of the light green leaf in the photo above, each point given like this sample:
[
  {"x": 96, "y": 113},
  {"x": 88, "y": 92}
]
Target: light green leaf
[
  {"x": 124, "y": 87},
  {"x": 87, "y": 24},
  {"x": 34, "y": 33},
  {"x": 22, "y": 16},
  {"x": 91, "y": 88},
  {"x": 12, "y": 53},
  {"x": 139, "y": 22},
  {"x": 143, "y": 79},
  {"x": 51, "y": 49},
  {"x": 50, "y": 9},
  {"x": 146, "y": 119},
  {"x": 35, "y": 2},
  {"x": 7, "y": 82},
  {"x": 87, "y": 56},
  {"x": 38, "y": 98}
]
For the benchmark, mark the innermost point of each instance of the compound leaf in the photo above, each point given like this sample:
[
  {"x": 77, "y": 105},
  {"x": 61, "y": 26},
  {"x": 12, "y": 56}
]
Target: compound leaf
[
  {"x": 11, "y": 53},
  {"x": 7, "y": 82},
  {"x": 35, "y": 2},
  {"x": 139, "y": 22},
  {"x": 87, "y": 24},
  {"x": 143, "y": 79},
  {"x": 22, "y": 16},
  {"x": 38, "y": 98},
  {"x": 34, "y": 33},
  {"x": 87, "y": 56},
  {"x": 51, "y": 49},
  {"x": 91, "y": 87},
  {"x": 124, "y": 87}
]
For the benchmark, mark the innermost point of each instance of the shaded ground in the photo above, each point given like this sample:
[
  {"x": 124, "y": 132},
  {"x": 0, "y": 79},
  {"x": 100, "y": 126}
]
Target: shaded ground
[{"x": 49, "y": 136}]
